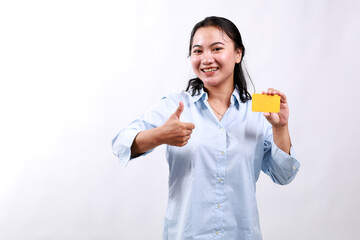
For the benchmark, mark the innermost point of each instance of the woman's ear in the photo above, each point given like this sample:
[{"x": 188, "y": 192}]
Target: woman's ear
[{"x": 238, "y": 55}]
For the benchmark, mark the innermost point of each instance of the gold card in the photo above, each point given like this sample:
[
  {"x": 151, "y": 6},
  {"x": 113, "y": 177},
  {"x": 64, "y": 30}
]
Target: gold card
[{"x": 265, "y": 103}]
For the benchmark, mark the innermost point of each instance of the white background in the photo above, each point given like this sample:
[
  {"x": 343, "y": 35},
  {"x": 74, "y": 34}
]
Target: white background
[{"x": 73, "y": 73}]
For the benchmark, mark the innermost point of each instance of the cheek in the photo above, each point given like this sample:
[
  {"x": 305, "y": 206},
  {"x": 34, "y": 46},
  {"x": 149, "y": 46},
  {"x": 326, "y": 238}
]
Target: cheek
[
  {"x": 225, "y": 58},
  {"x": 226, "y": 61},
  {"x": 195, "y": 63}
]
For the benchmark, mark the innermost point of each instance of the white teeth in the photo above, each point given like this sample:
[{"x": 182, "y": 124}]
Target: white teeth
[{"x": 210, "y": 69}]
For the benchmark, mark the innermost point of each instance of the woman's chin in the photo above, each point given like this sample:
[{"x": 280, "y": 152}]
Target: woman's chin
[{"x": 210, "y": 82}]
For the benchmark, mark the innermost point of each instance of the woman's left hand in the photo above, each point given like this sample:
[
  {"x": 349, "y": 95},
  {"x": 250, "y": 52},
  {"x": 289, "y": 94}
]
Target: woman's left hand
[{"x": 279, "y": 119}]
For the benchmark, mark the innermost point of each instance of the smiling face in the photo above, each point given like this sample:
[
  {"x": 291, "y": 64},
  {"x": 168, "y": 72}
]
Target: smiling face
[{"x": 213, "y": 57}]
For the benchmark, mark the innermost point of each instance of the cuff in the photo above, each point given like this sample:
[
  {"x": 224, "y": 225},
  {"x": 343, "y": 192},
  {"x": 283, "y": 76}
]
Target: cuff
[
  {"x": 287, "y": 164},
  {"x": 122, "y": 145}
]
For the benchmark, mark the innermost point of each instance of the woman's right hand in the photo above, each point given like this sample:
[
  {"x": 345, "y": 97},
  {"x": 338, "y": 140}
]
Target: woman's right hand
[{"x": 174, "y": 132}]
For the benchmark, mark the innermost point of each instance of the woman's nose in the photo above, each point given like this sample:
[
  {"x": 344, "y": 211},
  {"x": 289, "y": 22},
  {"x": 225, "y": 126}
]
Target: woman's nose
[{"x": 207, "y": 58}]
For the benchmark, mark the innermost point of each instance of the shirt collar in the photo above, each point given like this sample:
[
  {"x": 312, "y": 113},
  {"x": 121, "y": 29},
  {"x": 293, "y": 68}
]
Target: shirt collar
[
  {"x": 198, "y": 96},
  {"x": 235, "y": 97}
]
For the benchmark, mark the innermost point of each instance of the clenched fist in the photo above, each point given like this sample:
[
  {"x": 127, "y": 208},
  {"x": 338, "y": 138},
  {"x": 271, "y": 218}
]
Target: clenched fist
[{"x": 175, "y": 132}]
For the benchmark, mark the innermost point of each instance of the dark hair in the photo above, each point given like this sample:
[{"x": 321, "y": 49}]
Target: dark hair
[{"x": 233, "y": 33}]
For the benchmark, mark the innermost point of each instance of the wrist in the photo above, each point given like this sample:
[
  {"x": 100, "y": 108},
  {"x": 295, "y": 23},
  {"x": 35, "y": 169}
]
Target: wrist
[
  {"x": 282, "y": 138},
  {"x": 280, "y": 128},
  {"x": 158, "y": 135}
]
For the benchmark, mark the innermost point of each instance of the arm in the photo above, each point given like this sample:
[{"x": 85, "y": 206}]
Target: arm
[
  {"x": 152, "y": 118},
  {"x": 145, "y": 141},
  {"x": 279, "y": 161}
]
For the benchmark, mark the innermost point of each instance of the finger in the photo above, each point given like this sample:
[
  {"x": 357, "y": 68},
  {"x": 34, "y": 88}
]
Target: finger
[
  {"x": 267, "y": 92},
  {"x": 188, "y": 132},
  {"x": 268, "y": 116},
  {"x": 181, "y": 144},
  {"x": 185, "y": 131},
  {"x": 277, "y": 92},
  {"x": 271, "y": 91},
  {"x": 179, "y": 110},
  {"x": 184, "y": 143},
  {"x": 186, "y": 138},
  {"x": 189, "y": 126},
  {"x": 283, "y": 98}
]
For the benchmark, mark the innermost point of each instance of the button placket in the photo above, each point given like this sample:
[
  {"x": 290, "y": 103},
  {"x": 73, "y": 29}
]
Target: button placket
[{"x": 220, "y": 179}]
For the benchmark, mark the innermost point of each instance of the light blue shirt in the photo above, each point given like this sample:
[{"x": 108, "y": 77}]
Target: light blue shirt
[{"x": 212, "y": 178}]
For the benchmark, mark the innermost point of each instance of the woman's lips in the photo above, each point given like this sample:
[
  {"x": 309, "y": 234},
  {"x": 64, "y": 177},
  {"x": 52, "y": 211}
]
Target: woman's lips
[{"x": 209, "y": 70}]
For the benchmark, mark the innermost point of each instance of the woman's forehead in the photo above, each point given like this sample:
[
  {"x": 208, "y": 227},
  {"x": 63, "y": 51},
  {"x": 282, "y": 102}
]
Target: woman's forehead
[{"x": 209, "y": 35}]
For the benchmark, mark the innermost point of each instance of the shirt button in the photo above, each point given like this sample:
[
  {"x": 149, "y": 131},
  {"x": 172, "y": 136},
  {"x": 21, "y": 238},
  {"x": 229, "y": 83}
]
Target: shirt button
[
  {"x": 218, "y": 206},
  {"x": 294, "y": 168},
  {"x": 222, "y": 129},
  {"x": 221, "y": 180},
  {"x": 222, "y": 153},
  {"x": 217, "y": 232}
]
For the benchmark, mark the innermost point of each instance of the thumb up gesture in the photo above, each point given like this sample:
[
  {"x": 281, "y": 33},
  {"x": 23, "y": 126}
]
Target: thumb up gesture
[{"x": 175, "y": 132}]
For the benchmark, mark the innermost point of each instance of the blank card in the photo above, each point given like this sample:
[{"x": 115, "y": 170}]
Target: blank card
[{"x": 265, "y": 103}]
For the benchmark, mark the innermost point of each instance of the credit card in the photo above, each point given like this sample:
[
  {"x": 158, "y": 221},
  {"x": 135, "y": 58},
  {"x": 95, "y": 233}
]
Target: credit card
[{"x": 265, "y": 103}]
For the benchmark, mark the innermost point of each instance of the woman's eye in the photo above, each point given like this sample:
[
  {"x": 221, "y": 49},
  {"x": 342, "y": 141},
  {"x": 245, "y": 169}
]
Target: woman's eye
[
  {"x": 197, "y": 51},
  {"x": 217, "y": 49}
]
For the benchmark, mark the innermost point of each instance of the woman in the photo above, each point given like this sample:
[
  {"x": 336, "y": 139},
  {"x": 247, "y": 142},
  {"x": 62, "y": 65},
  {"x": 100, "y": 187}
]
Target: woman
[{"x": 216, "y": 146}]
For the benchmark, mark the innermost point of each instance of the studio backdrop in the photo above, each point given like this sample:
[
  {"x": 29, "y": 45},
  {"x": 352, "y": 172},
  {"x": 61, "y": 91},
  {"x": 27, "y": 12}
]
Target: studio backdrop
[{"x": 73, "y": 73}]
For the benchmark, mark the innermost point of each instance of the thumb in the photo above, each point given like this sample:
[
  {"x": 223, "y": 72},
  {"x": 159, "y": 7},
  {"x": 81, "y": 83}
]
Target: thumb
[
  {"x": 270, "y": 117},
  {"x": 178, "y": 111},
  {"x": 267, "y": 115}
]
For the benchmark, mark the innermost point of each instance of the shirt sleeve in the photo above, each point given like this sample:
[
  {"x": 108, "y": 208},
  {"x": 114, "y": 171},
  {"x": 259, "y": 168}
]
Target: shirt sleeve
[
  {"x": 154, "y": 117},
  {"x": 280, "y": 166}
]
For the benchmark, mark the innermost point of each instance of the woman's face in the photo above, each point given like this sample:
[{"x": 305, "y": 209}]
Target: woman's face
[{"x": 213, "y": 56}]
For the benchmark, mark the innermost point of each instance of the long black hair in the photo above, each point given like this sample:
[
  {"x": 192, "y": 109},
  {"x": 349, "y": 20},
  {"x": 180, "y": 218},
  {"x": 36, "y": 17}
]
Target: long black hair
[{"x": 233, "y": 33}]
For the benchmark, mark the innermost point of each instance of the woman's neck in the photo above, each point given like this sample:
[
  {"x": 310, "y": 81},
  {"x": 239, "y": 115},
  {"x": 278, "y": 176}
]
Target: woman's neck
[
  {"x": 219, "y": 99},
  {"x": 220, "y": 95}
]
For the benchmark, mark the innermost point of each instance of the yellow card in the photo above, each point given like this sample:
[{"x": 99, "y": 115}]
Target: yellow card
[{"x": 265, "y": 103}]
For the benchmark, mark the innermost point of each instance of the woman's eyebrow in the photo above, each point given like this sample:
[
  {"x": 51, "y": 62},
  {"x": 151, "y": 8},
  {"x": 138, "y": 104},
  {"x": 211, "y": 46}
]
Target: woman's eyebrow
[{"x": 215, "y": 43}]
